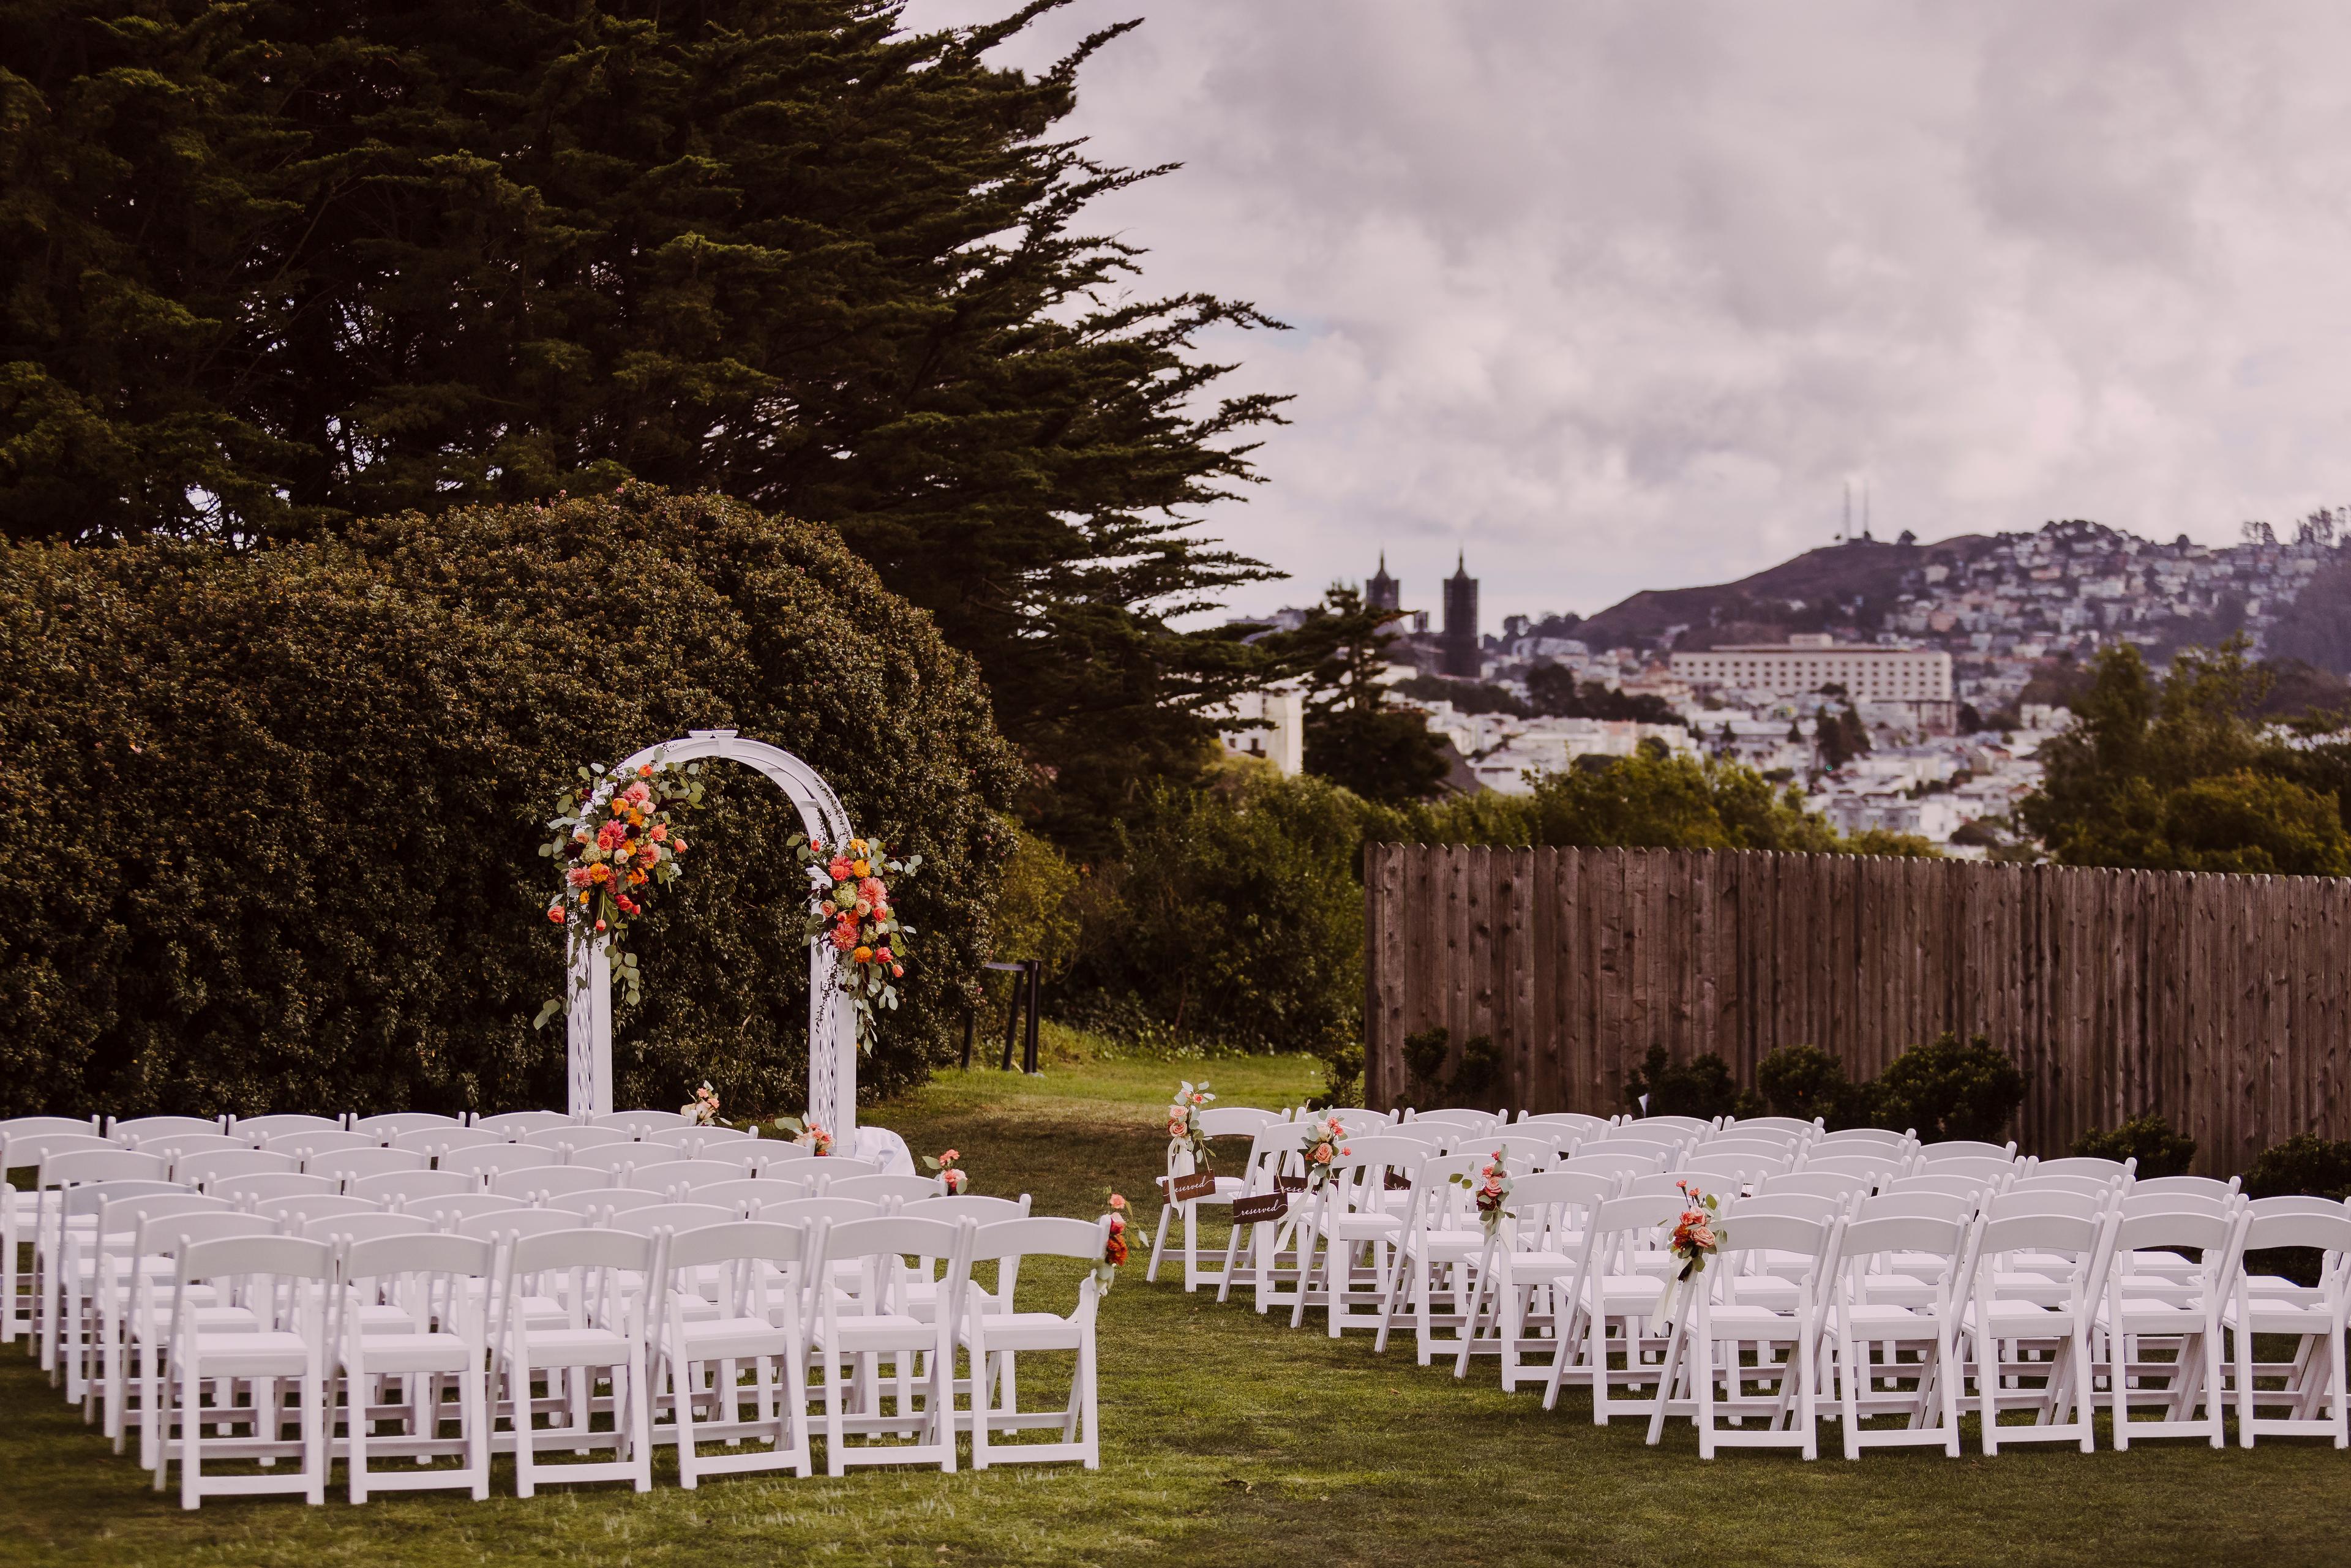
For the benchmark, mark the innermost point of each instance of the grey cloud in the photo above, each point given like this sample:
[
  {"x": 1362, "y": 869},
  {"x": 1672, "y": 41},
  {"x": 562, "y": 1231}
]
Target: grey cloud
[{"x": 1617, "y": 295}]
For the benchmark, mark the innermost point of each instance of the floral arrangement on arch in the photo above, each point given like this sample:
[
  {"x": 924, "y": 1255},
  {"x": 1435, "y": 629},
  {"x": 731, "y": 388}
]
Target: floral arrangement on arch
[
  {"x": 616, "y": 835},
  {"x": 850, "y": 906},
  {"x": 1697, "y": 1238},
  {"x": 1183, "y": 1134},
  {"x": 1492, "y": 1186},
  {"x": 1329, "y": 1142}
]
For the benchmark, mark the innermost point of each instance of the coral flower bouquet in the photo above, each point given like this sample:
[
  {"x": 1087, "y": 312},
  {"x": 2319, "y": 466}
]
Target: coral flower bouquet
[
  {"x": 1328, "y": 1143},
  {"x": 617, "y": 836},
  {"x": 1183, "y": 1134},
  {"x": 1492, "y": 1189},
  {"x": 850, "y": 906},
  {"x": 1697, "y": 1236}
]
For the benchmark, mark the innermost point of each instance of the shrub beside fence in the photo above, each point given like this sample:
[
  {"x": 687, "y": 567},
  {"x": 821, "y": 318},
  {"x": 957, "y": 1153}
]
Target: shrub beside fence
[{"x": 2221, "y": 1003}]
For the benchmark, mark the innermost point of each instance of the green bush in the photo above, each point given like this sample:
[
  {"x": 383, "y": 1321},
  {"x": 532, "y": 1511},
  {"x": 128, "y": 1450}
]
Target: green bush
[
  {"x": 1947, "y": 1090},
  {"x": 1701, "y": 1087},
  {"x": 1805, "y": 1081},
  {"x": 2149, "y": 1140},
  {"x": 2304, "y": 1163},
  {"x": 1234, "y": 914},
  {"x": 1423, "y": 1058},
  {"x": 278, "y": 810}
]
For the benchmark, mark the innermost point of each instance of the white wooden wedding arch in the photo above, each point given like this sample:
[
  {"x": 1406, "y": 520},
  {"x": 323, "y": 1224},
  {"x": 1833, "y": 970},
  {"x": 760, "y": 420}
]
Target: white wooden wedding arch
[{"x": 832, "y": 1024}]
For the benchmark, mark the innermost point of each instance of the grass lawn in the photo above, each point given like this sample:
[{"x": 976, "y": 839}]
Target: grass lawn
[{"x": 1228, "y": 1436}]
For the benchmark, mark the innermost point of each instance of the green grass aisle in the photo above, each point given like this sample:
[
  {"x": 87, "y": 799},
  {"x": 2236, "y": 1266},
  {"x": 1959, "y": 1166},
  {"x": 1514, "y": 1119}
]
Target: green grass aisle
[{"x": 1227, "y": 1438}]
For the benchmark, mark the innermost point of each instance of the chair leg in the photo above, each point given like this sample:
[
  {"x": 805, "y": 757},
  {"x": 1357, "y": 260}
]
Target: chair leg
[
  {"x": 1158, "y": 1244},
  {"x": 526, "y": 1448},
  {"x": 1089, "y": 1415},
  {"x": 640, "y": 1413},
  {"x": 679, "y": 1373}
]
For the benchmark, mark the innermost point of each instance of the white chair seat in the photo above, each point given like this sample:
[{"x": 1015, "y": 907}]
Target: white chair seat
[
  {"x": 2155, "y": 1315},
  {"x": 271, "y": 1353},
  {"x": 876, "y": 1332},
  {"x": 1029, "y": 1331},
  {"x": 1622, "y": 1293},
  {"x": 2014, "y": 1319},
  {"x": 574, "y": 1347},
  {"x": 1890, "y": 1319},
  {"x": 1741, "y": 1320},
  {"x": 388, "y": 1353},
  {"x": 1767, "y": 1290},
  {"x": 717, "y": 1338},
  {"x": 2273, "y": 1316}
]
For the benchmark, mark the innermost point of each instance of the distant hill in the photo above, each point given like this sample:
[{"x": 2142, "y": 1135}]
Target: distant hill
[{"x": 1834, "y": 588}]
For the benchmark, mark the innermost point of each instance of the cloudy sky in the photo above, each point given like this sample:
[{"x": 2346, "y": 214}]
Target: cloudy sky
[{"x": 1621, "y": 295}]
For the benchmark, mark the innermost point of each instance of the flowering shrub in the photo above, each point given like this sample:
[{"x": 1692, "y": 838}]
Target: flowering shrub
[
  {"x": 808, "y": 1134},
  {"x": 850, "y": 909},
  {"x": 615, "y": 836},
  {"x": 702, "y": 1107},
  {"x": 952, "y": 1174},
  {"x": 1114, "y": 1249},
  {"x": 1183, "y": 1123},
  {"x": 1328, "y": 1143}
]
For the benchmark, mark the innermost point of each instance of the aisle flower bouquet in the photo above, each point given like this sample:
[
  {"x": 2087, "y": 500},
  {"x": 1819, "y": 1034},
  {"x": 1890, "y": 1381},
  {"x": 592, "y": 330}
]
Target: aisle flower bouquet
[
  {"x": 1492, "y": 1186},
  {"x": 1697, "y": 1238},
  {"x": 808, "y": 1134},
  {"x": 951, "y": 1175},
  {"x": 1115, "y": 1247},
  {"x": 1328, "y": 1143},
  {"x": 850, "y": 906},
  {"x": 1183, "y": 1133},
  {"x": 616, "y": 835},
  {"x": 702, "y": 1107}
]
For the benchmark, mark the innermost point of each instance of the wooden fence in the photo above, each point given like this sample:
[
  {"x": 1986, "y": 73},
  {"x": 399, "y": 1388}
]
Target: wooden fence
[{"x": 2222, "y": 1003}]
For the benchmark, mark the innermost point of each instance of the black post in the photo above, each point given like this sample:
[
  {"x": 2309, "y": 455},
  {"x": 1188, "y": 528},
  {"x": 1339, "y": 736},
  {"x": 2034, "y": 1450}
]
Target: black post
[
  {"x": 1011, "y": 1018},
  {"x": 1036, "y": 985}
]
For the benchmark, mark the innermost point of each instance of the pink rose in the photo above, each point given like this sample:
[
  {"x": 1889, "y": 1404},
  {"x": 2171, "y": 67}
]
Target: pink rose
[
  {"x": 1322, "y": 1153},
  {"x": 639, "y": 793},
  {"x": 840, "y": 870}
]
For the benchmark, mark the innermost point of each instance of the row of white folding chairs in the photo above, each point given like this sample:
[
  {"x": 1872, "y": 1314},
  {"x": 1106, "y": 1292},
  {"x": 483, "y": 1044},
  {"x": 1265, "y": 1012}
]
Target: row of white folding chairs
[
  {"x": 140, "y": 1231},
  {"x": 2100, "y": 1293},
  {"x": 625, "y": 1323},
  {"x": 65, "y": 1172}
]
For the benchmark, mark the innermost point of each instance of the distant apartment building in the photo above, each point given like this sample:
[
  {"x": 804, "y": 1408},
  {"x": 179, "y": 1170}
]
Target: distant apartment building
[
  {"x": 1268, "y": 724},
  {"x": 1807, "y": 662}
]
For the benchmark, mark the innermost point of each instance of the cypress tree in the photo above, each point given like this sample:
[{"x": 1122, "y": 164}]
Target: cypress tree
[{"x": 267, "y": 267}]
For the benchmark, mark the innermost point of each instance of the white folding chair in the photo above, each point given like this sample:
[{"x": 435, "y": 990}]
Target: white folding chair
[
  {"x": 390, "y": 1125},
  {"x": 450, "y": 1212},
  {"x": 754, "y": 1326},
  {"x": 283, "y": 1282},
  {"x": 118, "y": 1263},
  {"x": 351, "y": 1165},
  {"x": 2013, "y": 1313},
  {"x": 680, "y": 1178},
  {"x": 1930, "y": 1154},
  {"x": 202, "y": 1170},
  {"x": 639, "y": 1122},
  {"x": 1271, "y": 1165},
  {"x": 2180, "y": 1314},
  {"x": 885, "y": 1188},
  {"x": 1624, "y": 1274},
  {"x": 1533, "y": 1292},
  {"x": 875, "y": 1325},
  {"x": 1351, "y": 1220},
  {"x": 1674, "y": 1129},
  {"x": 1720, "y": 1310},
  {"x": 488, "y": 1160},
  {"x": 408, "y": 1188},
  {"x": 1924, "y": 1391},
  {"x": 2309, "y": 1385},
  {"x": 571, "y": 1135},
  {"x": 835, "y": 1167},
  {"x": 1431, "y": 1261},
  {"x": 293, "y": 1212},
  {"x": 1791, "y": 1128},
  {"x": 539, "y": 1183},
  {"x": 993, "y": 1331},
  {"x": 513, "y": 1124},
  {"x": 100, "y": 1220},
  {"x": 436, "y": 1140},
  {"x": 246, "y": 1191},
  {"x": 411, "y": 1308},
  {"x": 2089, "y": 1166},
  {"x": 260, "y": 1131},
  {"x": 23, "y": 1144},
  {"x": 969, "y": 1206},
  {"x": 1215, "y": 1122},
  {"x": 339, "y": 1230},
  {"x": 309, "y": 1142},
  {"x": 602, "y": 1279},
  {"x": 749, "y": 1195},
  {"x": 141, "y": 1130},
  {"x": 65, "y": 1165}
]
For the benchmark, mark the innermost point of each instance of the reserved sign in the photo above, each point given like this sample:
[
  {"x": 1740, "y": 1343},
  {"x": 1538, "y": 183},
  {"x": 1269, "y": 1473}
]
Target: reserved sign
[
  {"x": 1264, "y": 1206},
  {"x": 1184, "y": 1188}
]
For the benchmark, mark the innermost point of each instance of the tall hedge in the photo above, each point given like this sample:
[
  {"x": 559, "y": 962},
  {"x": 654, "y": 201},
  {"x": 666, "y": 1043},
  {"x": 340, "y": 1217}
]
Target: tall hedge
[{"x": 276, "y": 812}]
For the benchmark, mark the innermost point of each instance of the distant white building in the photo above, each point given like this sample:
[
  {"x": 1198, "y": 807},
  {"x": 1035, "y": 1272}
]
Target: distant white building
[
  {"x": 1807, "y": 662},
  {"x": 1280, "y": 740}
]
